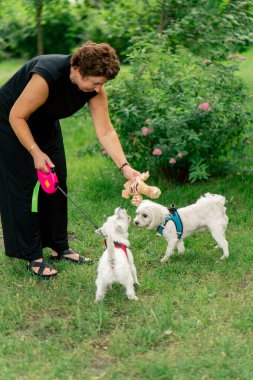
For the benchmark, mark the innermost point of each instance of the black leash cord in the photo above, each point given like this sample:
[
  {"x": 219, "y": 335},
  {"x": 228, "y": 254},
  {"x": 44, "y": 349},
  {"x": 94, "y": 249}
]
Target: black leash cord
[{"x": 78, "y": 208}]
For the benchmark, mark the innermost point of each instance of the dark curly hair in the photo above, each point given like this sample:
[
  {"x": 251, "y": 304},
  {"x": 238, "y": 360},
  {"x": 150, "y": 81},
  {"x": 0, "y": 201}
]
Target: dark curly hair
[{"x": 96, "y": 60}]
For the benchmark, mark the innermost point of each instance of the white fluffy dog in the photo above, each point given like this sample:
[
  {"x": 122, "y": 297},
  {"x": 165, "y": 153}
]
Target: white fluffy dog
[
  {"x": 208, "y": 213},
  {"x": 117, "y": 263}
]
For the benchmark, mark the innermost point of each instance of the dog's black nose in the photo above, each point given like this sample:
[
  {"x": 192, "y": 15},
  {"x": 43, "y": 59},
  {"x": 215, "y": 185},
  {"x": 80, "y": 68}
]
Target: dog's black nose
[{"x": 136, "y": 223}]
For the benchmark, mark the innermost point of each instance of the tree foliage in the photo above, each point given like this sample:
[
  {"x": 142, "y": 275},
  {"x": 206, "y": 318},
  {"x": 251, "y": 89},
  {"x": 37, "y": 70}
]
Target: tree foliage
[
  {"x": 200, "y": 25},
  {"x": 31, "y": 26}
]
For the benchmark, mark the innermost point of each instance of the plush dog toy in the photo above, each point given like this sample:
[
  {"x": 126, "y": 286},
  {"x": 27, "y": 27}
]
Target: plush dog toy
[{"x": 138, "y": 188}]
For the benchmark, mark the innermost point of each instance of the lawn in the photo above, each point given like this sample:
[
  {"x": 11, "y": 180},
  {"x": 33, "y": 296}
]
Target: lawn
[
  {"x": 246, "y": 69},
  {"x": 8, "y": 68},
  {"x": 193, "y": 319}
]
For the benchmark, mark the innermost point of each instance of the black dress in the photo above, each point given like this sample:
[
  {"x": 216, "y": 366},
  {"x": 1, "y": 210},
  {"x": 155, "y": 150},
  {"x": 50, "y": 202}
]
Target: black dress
[{"x": 26, "y": 233}]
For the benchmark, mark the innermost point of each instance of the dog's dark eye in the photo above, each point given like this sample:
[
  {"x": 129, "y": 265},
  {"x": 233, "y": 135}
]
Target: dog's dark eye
[{"x": 145, "y": 216}]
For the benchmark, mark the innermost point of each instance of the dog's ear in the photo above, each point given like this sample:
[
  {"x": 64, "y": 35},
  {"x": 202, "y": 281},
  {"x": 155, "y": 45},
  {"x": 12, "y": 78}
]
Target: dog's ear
[
  {"x": 156, "y": 216},
  {"x": 118, "y": 228},
  {"x": 153, "y": 223},
  {"x": 120, "y": 212}
]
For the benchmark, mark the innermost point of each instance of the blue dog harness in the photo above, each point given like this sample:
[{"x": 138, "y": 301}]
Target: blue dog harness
[{"x": 174, "y": 216}]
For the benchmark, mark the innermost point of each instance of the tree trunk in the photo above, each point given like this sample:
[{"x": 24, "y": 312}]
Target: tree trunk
[
  {"x": 164, "y": 16},
  {"x": 40, "y": 46}
]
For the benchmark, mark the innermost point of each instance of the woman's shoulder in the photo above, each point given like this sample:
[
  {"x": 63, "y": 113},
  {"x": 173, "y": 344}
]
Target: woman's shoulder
[
  {"x": 50, "y": 66},
  {"x": 51, "y": 62}
]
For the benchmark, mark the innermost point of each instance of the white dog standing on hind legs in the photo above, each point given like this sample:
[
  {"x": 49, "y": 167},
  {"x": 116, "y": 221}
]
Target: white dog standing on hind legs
[
  {"x": 116, "y": 265},
  {"x": 208, "y": 213}
]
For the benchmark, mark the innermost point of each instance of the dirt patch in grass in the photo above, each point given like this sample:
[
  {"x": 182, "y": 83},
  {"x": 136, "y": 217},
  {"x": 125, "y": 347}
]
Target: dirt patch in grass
[{"x": 102, "y": 359}]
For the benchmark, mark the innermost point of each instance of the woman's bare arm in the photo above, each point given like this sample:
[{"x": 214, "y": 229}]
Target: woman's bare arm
[
  {"x": 107, "y": 134},
  {"x": 33, "y": 96}
]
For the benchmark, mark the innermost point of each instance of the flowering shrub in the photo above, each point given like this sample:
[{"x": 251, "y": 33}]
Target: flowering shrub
[{"x": 178, "y": 115}]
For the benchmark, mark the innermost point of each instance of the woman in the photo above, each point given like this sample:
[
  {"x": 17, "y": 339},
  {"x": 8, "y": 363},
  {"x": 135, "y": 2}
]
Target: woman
[{"x": 48, "y": 88}]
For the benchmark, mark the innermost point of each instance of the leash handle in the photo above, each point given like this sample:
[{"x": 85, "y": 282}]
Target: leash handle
[{"x": 48, "y": 180}]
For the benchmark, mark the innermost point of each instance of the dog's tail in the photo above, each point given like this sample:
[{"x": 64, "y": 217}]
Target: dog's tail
[
  {"x": 110, "y": 249},
  {"x": 216, "y": 198}
]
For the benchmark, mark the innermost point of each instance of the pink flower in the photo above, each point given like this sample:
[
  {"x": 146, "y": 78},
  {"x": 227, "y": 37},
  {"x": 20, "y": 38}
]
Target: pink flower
[
  {"x": 207, "y": 62},
  {"x": 144, "y": 131},
  {"x": 236, "y": 56},
  {"x": 205, "y": 107},
  {"x": 103, "y": 152},
  {"x": 172, "y": 160},
  {"x": 180, "y": 155},
  {"x": 147, "y": 131},
  {"x": 157, "y": 152},
  {"x": 230, "y": 39},
  {"x": 148, "y": 121},
  {"x": 232, "y": 56}
]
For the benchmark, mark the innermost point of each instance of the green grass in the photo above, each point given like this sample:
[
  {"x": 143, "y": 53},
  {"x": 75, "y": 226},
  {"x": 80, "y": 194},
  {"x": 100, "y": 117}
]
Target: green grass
[
  {"x": 193, "y": 319},
  {"x": 246, "y": 69},
  {"x": 8, "y": 68}
]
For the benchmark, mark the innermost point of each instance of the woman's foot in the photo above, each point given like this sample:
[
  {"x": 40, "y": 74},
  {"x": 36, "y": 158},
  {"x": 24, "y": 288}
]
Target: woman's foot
[
  {"x": 42, "y": 269},
  {"x": 71, "y": 255}
]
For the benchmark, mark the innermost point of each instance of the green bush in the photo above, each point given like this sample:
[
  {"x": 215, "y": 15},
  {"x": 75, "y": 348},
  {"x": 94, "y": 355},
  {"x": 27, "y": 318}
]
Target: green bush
[{"x": 178, "y": 115}]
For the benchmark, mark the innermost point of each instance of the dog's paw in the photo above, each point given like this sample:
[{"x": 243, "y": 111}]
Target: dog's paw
[
  {"x": 137, "y": 283},
  {"x": 98, "y": 299},
  {"x": 223, "y": 257},
  {"x": 132, "y": 297},
  {"x": 164, "y": 259}
]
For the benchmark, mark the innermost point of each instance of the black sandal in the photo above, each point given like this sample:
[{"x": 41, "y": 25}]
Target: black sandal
[
  {"x": 63, "y": 256},
  {"x": 41, "y": 265}
]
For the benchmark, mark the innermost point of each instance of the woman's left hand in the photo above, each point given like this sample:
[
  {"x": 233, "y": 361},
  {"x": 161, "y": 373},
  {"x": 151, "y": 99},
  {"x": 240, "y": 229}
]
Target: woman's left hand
[{"x": 130, "y": 173}]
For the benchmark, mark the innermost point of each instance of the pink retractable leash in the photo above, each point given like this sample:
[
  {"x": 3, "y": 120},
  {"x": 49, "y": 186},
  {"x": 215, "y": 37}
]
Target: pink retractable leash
[{"x": 49, "y": 183}]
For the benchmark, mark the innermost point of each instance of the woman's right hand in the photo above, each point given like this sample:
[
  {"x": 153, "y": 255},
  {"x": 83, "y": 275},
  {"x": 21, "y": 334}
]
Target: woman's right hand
[{"x": 41, "y": 159}]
